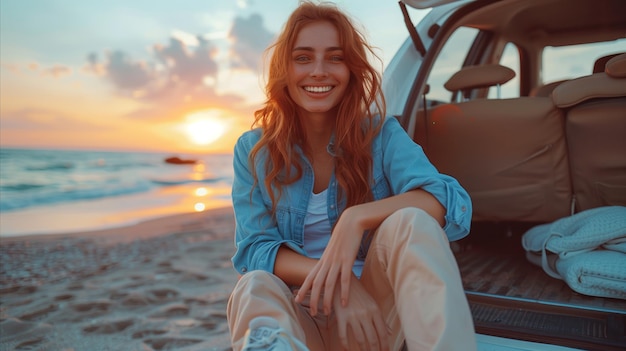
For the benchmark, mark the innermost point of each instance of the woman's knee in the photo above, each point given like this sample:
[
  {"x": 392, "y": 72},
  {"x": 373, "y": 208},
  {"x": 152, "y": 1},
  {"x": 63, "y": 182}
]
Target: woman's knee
[
  {"x": 411, "y": 221},
  {"x": 411, "y": 216}
]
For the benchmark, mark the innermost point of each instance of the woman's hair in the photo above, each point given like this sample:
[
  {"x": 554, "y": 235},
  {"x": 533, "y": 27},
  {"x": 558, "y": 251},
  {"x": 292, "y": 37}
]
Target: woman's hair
[{"x": 356, "y": 123}]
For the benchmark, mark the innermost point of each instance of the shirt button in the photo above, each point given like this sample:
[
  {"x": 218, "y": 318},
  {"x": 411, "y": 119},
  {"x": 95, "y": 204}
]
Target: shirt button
[
  {"x": 244, "y": 269},
  {"x": 332, "y": 207},
  {"x": 463, "y": 208}
]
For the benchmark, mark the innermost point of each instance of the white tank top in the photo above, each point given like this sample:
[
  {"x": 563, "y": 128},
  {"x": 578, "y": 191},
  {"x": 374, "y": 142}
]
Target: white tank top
[{"x": 317, "y": 229}]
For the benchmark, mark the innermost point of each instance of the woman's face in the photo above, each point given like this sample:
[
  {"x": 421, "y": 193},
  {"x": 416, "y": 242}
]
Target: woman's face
[{"x": 318, "y": 75}]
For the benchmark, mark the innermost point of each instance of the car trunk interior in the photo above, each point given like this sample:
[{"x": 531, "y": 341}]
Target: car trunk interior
[{"x": 511, "y": 297}]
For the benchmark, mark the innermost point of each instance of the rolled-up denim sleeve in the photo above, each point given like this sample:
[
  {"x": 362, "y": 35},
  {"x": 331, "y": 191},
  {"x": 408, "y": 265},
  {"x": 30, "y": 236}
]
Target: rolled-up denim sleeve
[
  {"x": 256, "y": 235},
  {"x": 408, "y": 168}
]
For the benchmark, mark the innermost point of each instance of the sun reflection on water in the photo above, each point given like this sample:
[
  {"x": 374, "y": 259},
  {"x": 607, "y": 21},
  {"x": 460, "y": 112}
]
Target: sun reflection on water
[{"x": 201, "y": 192}]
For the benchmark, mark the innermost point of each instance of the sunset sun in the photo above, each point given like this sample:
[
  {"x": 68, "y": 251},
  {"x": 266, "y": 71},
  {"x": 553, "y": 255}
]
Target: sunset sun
[{"x": 204, "y": 127}]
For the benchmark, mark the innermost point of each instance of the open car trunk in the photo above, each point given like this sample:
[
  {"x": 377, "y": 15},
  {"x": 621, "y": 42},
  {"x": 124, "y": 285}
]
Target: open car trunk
[{"x": 526, "y": 160}]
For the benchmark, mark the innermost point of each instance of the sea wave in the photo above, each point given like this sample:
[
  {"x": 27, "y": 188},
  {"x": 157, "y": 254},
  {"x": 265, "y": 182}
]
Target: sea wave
[
  {"x": 21, "y": 187},
  {"x": 20, "y": 196},
  {"x": 170, "y": 182},
  {"x": 21, "y": 201},
  {"x": 55, "y": 166},
  {"x": 31, "y": 178}
]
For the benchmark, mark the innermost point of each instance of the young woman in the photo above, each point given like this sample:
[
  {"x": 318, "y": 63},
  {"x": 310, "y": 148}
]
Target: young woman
[{"x": 343, "y": 226}]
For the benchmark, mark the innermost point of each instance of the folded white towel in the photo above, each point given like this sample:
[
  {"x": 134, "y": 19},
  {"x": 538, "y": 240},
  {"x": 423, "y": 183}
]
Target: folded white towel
[
  {"x": 596, "y": 273},
  {"x": 587, "y": 250},
  {"x": 581, "y": 232}
]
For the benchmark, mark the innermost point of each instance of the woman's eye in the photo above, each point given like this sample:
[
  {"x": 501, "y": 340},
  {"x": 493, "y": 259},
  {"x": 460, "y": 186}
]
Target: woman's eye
[
  {"x": 336, "y": 58},
  {"x": 301, "y": 58}
]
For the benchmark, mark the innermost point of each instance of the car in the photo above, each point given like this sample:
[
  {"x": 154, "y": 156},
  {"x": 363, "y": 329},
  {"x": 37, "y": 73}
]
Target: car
[{"x": 524, "y": 103}]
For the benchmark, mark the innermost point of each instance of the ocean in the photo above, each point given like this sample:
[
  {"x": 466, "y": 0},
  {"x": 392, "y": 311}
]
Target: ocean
[{"x": 138, "y": 185}]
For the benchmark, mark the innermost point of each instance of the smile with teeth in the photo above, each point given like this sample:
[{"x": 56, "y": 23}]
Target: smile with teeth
[{"x": 318, "y": 89}]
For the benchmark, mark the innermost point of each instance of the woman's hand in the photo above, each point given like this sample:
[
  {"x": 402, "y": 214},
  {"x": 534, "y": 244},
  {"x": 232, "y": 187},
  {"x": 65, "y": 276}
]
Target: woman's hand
[
  {"x": 363, "y": 317},
  {"x": 336, "y": 262}
]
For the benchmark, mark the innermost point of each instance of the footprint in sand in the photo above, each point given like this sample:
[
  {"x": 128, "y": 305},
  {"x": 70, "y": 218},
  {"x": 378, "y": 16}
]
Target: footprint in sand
[
  {"x": 74, "y": 312},
  {"x": 133, "y": 285},
  {"x": 92, "y": 308},
  {"x": 221, "y": 316},
  {"x": 148, "y": 332},
  {"x": 170, "y": 311},
  {"x": 64, "y": 297},
  {"x": 136, "y": 300},
  {"x": 33, "y": 344},
  {"x": 213, "y": 322},
  {"x": 165, "y": 264},
  {"x": 75, "y": 286},
  {"x": 198, "y": 327},
  {"x": 171, "y": 343},
  {"x": 108, "y": 326},
  {"x": 18, "y": 290},
  {"x": 162, "y": 295},
  {"x": 118, "y": 295},
  {"x": 23, "y": 335},
  {"x": 19, "y": 302},
  {"x": 197, "y": 301},
  {"x": 39, "y": 312}
]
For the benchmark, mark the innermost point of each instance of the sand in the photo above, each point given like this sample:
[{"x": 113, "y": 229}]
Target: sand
[{"x": 158, "y": 285}]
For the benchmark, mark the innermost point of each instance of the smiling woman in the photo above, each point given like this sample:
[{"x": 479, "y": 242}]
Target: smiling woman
[{"x": 205, "y": 127}]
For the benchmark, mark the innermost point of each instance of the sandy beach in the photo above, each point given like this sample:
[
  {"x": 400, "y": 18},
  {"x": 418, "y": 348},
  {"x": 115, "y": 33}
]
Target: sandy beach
[{"x": 162, "y": 284}]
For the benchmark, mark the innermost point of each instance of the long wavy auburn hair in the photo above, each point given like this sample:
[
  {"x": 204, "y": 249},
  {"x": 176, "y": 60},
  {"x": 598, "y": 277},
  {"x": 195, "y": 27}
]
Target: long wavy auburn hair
[{"x": 356, "y": 124}]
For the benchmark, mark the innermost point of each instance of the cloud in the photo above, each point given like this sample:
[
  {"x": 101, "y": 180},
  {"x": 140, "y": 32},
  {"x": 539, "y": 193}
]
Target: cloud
[
  {"x": 185, "y": 66},
  {"x": 127, "y": 74},
  {"x": 174, "y": 84},
  {"x": 250, "y": 38},
  {"x": 93, "y": 65},
  {"x": 173, "y": 66},
  {"x": 11, "y": 67},
  {"x": 124, "y": 73},
  {"x": 243, "y": 4},
  {"x": 183, "y": 75},
  {"x": 57, "y": 71},
  {"x": 43, "y": 119}
]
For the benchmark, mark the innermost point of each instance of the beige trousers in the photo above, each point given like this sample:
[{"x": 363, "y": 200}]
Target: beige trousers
[{"x": 411, "y": 272}]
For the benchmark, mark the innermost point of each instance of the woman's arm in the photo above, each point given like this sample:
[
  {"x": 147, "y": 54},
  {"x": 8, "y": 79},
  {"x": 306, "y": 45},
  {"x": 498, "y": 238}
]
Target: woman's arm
[
  {"x": 338, "y": 258},
  {"x": 292, "y": 267},
  {"x": 257, "y": 237},
  {"x": 369, "y": 215},
  {"x": 405, "y": 166}
]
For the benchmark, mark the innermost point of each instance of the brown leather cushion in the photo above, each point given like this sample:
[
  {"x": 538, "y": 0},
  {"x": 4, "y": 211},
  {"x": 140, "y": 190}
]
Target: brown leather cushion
[
  {"x": 472, "y": 77},
  {"x": 616, "y": 67},
  {"x": 596, "y": 134},
  {"x": 578, "y": 90},
  {"x": 509, "y": 154},
  {"x": 546, "y": 89},
  {"x": 600, "y": 64},
  {"x": 595, "y": 127}
]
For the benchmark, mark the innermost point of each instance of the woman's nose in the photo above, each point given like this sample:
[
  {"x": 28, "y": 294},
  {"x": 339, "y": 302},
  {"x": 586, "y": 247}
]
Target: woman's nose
[{"x": 319, "y": 69}]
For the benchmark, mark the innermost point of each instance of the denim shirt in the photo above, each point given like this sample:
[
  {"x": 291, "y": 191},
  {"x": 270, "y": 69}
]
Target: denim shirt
[{"x": 399, "y": 165}]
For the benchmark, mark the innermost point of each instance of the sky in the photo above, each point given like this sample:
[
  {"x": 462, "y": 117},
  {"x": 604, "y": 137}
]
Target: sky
[{"x": 151, "y": 75}]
